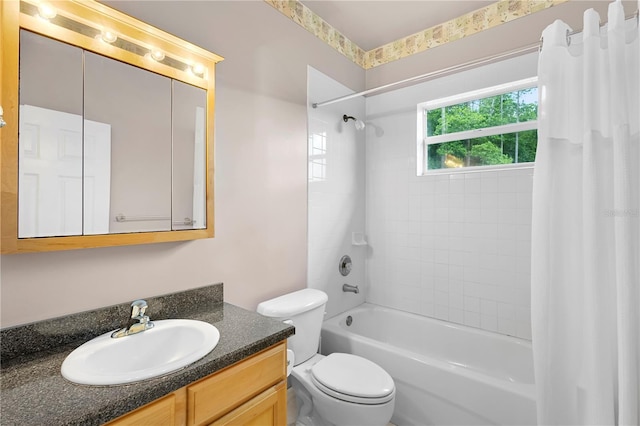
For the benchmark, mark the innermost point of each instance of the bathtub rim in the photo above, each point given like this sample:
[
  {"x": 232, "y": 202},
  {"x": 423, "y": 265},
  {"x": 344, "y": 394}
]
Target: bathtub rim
[
  {"x": 523, "y": 389},
  {"x": 448, "y": 324}
]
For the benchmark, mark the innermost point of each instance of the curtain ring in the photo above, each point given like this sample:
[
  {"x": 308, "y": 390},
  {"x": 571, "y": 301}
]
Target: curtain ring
[{"x": 568, "y": 36}]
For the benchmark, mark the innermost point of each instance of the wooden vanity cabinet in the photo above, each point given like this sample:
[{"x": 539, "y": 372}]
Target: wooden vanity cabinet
[{"x": 250, "y": 392}]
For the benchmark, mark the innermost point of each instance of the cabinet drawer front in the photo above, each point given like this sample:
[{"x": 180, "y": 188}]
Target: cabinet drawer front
[
  {"x": 167, "y": 411},
  {"x": 267, "y": 409},
  {"x": 214, "y": 396}
]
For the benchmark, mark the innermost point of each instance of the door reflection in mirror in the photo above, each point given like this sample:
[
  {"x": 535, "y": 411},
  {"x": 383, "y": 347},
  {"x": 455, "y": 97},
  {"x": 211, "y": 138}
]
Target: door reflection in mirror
[{"x": 55, "y": 181}]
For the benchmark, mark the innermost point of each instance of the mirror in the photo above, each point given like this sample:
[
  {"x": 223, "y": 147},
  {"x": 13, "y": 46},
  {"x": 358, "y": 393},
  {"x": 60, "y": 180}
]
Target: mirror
[{"x": 115, "y": 124}]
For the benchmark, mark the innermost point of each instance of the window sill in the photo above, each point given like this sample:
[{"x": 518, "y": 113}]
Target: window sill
[{"x": 476, "y": 169}]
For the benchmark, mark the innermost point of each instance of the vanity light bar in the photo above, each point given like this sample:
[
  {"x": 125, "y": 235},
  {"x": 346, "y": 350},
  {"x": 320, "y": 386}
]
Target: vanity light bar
[{"x": 109, "y": 37}]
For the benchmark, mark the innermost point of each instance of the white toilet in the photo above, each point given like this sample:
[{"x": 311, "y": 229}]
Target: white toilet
[{"x": 338, "y": 389}]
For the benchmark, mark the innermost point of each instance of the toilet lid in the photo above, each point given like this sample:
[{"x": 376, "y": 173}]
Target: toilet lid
[{"x": 353, "y": 378}]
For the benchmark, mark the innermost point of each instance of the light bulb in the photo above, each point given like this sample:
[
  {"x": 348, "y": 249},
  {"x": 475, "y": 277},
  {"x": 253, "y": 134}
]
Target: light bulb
[
  {"x": 360, "y": 124},
  {"x": 108, "y": 36},
  {"x": 46, "y": 11},
  {"x": 157, "y": 55},
  {"x": 197, "y": 69}
]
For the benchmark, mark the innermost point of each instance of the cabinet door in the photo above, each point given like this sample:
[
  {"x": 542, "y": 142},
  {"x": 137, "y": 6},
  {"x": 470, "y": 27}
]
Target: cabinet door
[
  {"x": 167, "y": 411},
  {"x": 267, "y": 409},
  {"x": 216, "y": 395}
]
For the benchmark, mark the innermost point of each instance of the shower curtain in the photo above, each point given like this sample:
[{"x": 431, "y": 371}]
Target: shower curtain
[{"x": 585, "y": 226}]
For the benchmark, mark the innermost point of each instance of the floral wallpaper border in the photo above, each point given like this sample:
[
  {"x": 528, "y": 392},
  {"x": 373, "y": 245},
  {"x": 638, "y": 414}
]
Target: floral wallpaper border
[{"x": 463, "y": 26}]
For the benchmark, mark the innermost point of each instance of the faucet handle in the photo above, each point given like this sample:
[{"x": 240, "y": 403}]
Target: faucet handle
[{"x": 138, "y": 307}]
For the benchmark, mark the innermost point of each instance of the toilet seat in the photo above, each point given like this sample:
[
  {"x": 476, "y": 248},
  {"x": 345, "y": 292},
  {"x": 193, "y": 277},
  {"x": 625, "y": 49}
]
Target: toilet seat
[{"x": 352, "y": 378}]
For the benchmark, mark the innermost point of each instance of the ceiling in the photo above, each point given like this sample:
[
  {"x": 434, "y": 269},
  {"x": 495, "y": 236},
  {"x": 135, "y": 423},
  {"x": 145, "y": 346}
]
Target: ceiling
[{"x": 371, "y": 24}]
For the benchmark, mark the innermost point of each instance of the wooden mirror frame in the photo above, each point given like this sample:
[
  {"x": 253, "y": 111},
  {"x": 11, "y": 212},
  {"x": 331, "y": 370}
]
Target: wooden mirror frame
[{"x": 16, "y": 15}]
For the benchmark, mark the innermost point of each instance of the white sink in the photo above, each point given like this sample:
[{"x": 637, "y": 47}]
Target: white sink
[{"x": 169, "y": 346}]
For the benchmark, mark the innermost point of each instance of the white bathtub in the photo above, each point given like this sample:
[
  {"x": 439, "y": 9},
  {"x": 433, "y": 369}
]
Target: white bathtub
[{"x": 445, "y": 374}]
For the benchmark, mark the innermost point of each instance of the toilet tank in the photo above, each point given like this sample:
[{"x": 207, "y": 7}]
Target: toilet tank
[{"x": 305, "y": 309}]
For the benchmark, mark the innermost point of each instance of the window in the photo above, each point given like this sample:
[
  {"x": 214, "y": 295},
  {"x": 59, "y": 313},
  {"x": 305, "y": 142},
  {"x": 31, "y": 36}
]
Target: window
[
  {"x": 317, "y": 156},
  {"x": 489, "y": 127}
]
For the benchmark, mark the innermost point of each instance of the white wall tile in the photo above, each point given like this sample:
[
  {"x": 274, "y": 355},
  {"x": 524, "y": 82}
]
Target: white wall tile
[
  {"x": 472, "y": 186},
  {"x": 442, "y": 298},
  {"x": 456, "y": 315},
  {"x": 441, "y": 312},
  {"x": 523, "y": 330},
  {"x": 441, "y": 284},
  {"x": 507, "y": 326},
  {"x": 489, "y": 322},
  {"x": 441, "y": 256},
  {"x": 456, "y": 301},
  {"x": 472, "y": 304},
  {"x": 428, "y": 310},
  {"x": 472, "y": 319},
  {"x": 456, "y": 272},
  {"x": 507, "y": 185},
  {"x": 489, "y": 307},
  {"x": 457, "y": 257},
  {"x": 442, "y": 185},
  {"x": 441, "y": 270},
  {"x": 489, "y": 201},
  {"x": 489, "y": 184},
  {"x": 456, "y": 184},
  {"x": 456, "y": 286},
  {"x": 457, "y": 200}
]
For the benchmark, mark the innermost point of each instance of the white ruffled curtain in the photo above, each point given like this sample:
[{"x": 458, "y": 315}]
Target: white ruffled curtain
[{"x": 585, "y": 230}]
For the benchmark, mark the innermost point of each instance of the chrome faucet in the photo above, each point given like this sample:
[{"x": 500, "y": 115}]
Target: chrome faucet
[
  {"x": 350, "y": 288},
  {"x": 137, "y": 322}
]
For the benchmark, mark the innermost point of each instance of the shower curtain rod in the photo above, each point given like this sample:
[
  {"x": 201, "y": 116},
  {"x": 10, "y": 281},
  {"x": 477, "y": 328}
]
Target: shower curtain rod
[
  {"x": 456, "y": 68},
  {"x": 433, "y": 74}
]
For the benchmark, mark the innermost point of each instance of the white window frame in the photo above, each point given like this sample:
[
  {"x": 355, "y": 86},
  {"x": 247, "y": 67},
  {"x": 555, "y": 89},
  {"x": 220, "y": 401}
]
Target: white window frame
[{"x": 425, "y": 141}]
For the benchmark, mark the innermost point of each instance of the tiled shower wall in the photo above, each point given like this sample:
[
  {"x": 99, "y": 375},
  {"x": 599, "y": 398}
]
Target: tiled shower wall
[
  {"x": 453, "y": 246},
  {"x": 336, "y": 193}
]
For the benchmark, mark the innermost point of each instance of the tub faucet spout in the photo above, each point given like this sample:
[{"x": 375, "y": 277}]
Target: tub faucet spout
[{"x": 350, "y": 288}]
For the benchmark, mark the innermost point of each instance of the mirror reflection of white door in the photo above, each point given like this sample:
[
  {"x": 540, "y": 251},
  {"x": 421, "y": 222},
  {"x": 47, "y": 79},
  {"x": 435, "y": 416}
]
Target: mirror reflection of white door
[{"x": 51, "y": 187}]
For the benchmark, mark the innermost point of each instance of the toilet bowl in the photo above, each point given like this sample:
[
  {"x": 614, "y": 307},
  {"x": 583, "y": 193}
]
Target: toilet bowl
[
  {"x": 338, "y": 389},
  {"x": 344, "y": 390}
]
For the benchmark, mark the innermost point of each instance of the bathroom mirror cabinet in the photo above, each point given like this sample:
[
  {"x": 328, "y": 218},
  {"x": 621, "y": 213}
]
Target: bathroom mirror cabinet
[{"x": 109, "y": 134}]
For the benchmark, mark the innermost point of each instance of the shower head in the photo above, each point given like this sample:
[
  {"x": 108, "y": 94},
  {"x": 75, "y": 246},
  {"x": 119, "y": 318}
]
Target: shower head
[{"x": 358, "y": 123}]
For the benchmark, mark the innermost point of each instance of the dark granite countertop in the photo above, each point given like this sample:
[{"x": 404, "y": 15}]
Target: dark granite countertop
[{"x": 33, "y": 392}]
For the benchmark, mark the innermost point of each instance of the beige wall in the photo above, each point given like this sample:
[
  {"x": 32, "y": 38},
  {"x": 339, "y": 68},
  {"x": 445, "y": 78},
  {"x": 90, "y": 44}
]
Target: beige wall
[{"x": 260, "y": 248}]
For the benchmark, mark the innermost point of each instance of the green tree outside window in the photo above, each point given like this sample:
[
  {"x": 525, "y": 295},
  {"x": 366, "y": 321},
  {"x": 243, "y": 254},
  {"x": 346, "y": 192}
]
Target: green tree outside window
[{"x": 514, "y": 107}]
